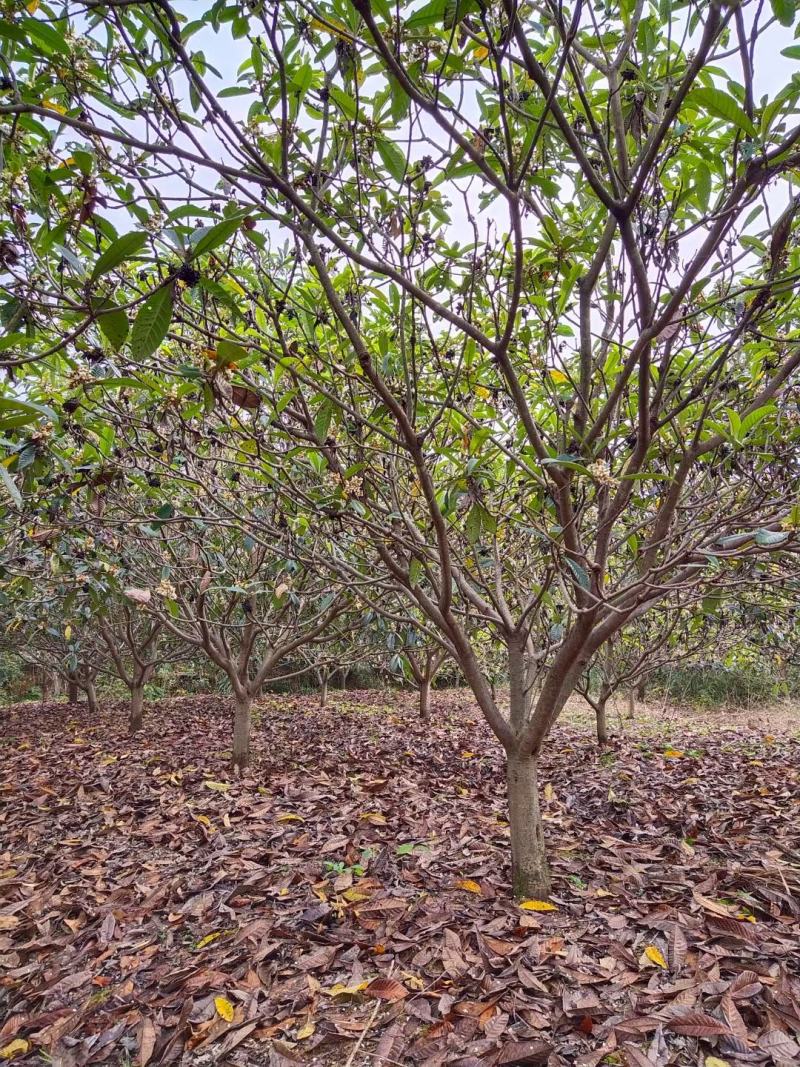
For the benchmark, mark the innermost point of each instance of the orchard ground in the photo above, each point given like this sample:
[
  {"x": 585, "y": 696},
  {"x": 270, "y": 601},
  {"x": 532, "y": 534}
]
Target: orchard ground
[{"x": 347, "y": 902}]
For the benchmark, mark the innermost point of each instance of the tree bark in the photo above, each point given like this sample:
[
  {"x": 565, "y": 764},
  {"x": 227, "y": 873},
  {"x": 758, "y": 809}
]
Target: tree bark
[
  {"x": 91, "y": 697},
  {"x": 47, "y": 687},
  {"x": 323, "y": 693},
  {"x": 602, "y": 721},
  {"x": 425, "y": 699},
  {"x": 641, "y": 689},
  {"x": 72, "y": 691},
  {"x": 631, "y": 703},
  {"x": 241, "y": 733},
  {"x": 530, "y": 873},
  {"x": 136, "y": 716}
]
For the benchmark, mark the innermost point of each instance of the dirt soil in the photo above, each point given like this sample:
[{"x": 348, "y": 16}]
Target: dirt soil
[{"x": 346, "y": 903}]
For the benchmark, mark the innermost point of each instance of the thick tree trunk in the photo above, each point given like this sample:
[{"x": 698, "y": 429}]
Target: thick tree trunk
[
  {"x": 241, "y": 733},
  {"x": 631, "y": 703},
  {"x": 425, "y": 699},
  {"x": 530, "y": 873},
  {"x": 602, "y": 721},
  {"x": 72, "y": 691},
  {"x": 91, "y": 697},
  {"x": 323, "y": 693},
  {"x": 136, "y": 716},
  {"x": 641, "y": 689}
]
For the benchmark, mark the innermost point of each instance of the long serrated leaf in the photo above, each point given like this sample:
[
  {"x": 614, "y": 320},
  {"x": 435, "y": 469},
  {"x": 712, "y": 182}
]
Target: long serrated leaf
[
  {"x": 722, "y": 106},
  {"x": 152, "y": 322},
  {"x": 124, "y": 248}
]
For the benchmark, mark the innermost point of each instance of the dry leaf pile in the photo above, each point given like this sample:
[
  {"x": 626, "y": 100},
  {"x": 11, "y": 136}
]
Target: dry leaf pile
[{"x": 347, "y": 900}]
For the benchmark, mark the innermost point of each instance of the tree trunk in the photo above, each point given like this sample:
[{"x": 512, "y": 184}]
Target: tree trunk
[
  {"x": 72, "y": 691},
  {"x": 530, "y": 873},
  {"x": 241, "y": 733},
  {"x": 641, "y": 689},
  {"x": 91, "y": 697},
  {"x": 323, "y": 693},
  {"x": 136, "y": 716},
  {"x": 47, "y": 687},
  {"x": 425, "y": 699},
  {"x": 602, "y": 721},
  {"x": 631, "y": 703}
]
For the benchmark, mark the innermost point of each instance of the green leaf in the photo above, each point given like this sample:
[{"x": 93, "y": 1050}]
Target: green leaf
[
  {"x": 771, "y": 537},
  {"x": 114, "y": 327},
  {"x": 10, "y": 485},
  {"x": 119, "y": 251},
  {"x": 784, "y": 11},
  {"x": 581, "y": 576},
  {"x": 722, "y": 106},
  {"x": 428, "y": 15},
  {"x": 792, "y": 52},
  {"x": 207, "y": 238},
  {"x": 394, "y": 159},
  {"x": 152, "y": 322}
]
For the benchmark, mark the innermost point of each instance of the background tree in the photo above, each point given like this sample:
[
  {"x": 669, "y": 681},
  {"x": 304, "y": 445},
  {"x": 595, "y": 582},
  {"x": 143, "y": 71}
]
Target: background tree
[{"x": 528, "y": 354}]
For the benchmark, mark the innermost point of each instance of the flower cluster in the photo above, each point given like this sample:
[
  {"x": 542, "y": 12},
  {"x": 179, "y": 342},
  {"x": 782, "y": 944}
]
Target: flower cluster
[{"x": 601, "y": 473}]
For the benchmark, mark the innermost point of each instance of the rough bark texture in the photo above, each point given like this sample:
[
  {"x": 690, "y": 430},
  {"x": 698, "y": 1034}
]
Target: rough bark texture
[
  {"x": 72, "y": 692},
  {"x": 602, "y": 722},
  {"x": 425, "y": 699},
  {"x": 641, "y": 689},
  {"x": 323, "y": 693},
  {"x": 136, "y": 717},
  {"x": 530, "y": 872},
  {"x": 241, "y": 733},
  {"x": 91, "y": 697},
  {"x": 631, "y": 703}
]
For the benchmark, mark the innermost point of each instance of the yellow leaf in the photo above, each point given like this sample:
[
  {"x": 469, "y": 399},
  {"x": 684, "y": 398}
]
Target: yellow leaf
[
  {"x": 549, "y": 793},
  {"x": 467, "y": 755},
  {"x": 673, "y": 753},
  {"x": 715, "y": 1061},
  {"x": 655, "y": 956},
  {"x": 481, "y": 52},
  {"x": 52, "y": 106},
  {"x": 224, "y": 1008},
  {"x": 32, "y": 7},
  {"x": 218, "y": 787},
  {"x": 207, "y": 940},
  {"x": 106, "y": 761},
  {"x": 373, "y": 817},
  {"x": 204, "y": 820},
  {"x": 354, "y": 895},
  {"x": 19, "y": 1046},
  {"x": 305, "y": 1031},
  {"x": 289, "y": 816},
  {"x": 342, "y": 990},
  {"x": 558, "y": 376},
  {"x": 469, "y": 886},
  {"x": 333, "y": 26},
  {"x": 537, "y": 905}
]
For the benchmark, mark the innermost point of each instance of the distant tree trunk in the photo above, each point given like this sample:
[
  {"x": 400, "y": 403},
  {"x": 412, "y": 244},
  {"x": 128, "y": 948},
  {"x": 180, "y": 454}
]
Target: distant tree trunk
[
  {"x": 91, "y": 698},
  {"x": 323, "y": 692},
  {"x": 602, "y": 720},
  {"x": 72, "y": 691},
  {"x": 344, "y": 675},
  {"x": 47, "y": 686},
  {"x": 631, "y": 703},
  {"x": 425, "y": 699},
  {"x": 640, "y": 690},
  {"x": 241, "y": 732},
  {"x": 136, "y": 714}
]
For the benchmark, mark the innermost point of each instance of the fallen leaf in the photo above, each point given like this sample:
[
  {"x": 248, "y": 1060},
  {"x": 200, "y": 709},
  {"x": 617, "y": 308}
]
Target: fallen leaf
[
  {"x": 655, "y": 956},
  {"x": 537, "y": 905}
]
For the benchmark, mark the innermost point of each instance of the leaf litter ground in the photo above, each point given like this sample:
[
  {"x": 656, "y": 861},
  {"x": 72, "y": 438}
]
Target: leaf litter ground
[{"x": 346, "y": 903}]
